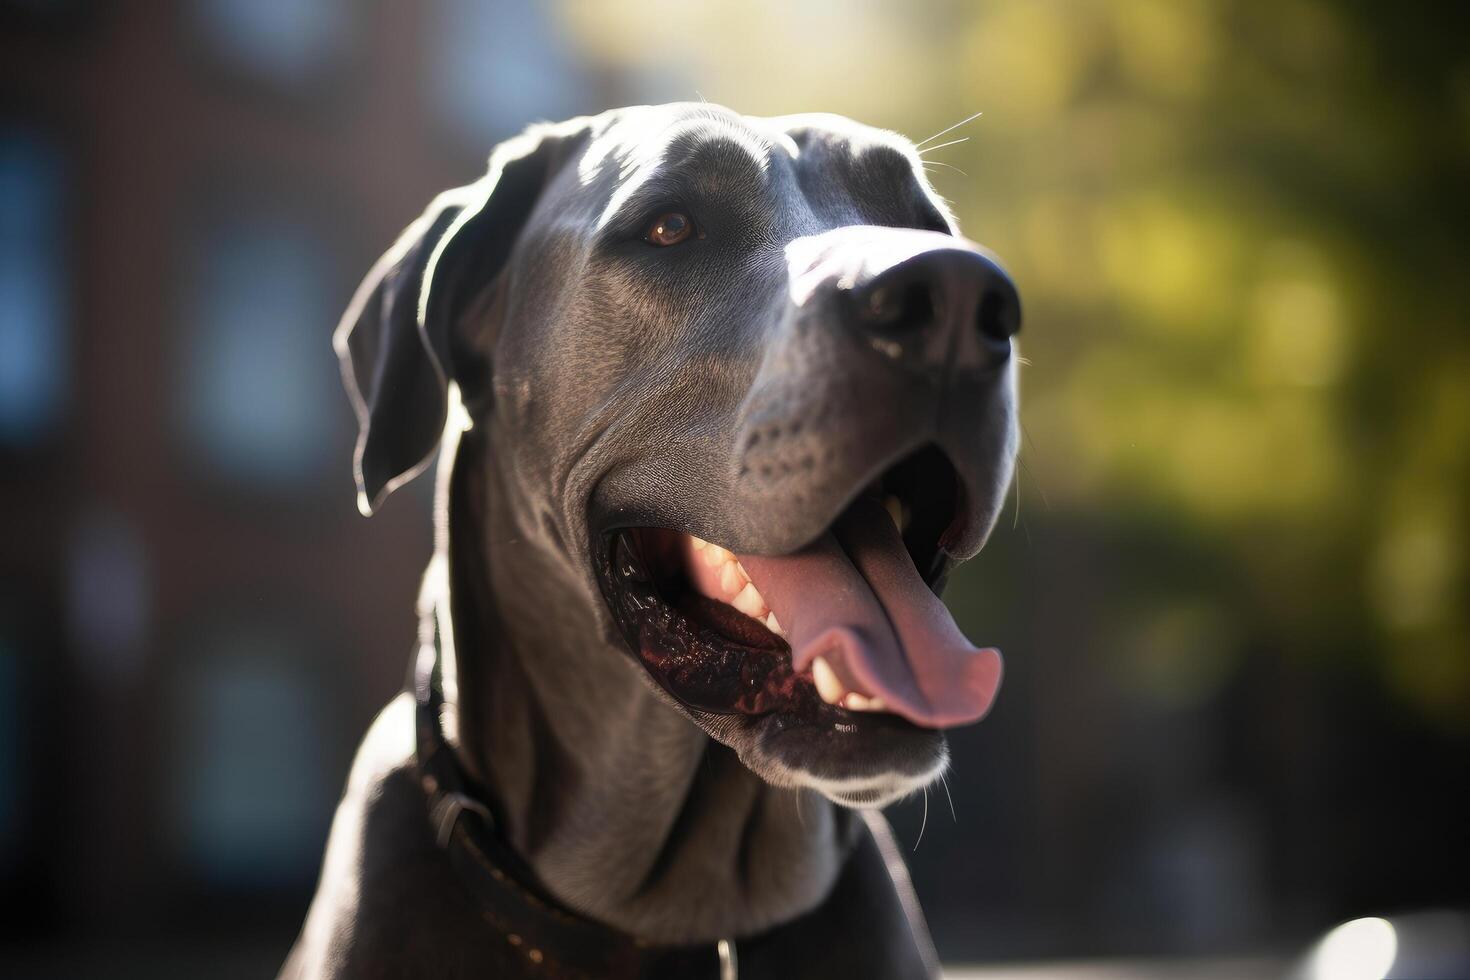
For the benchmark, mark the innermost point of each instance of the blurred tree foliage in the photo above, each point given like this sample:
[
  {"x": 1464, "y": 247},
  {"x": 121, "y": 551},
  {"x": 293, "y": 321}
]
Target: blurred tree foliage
[{"x": 1240, "y": 231}]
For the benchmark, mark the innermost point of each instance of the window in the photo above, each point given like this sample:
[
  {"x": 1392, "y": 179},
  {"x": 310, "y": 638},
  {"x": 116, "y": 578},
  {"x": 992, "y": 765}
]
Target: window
[
  {"x": 498, "y": 65},
  {"x": 262, "y": 405},
  {"x": 287, "y": 42},
  {"x": 33, "y": 289},
  {"x": 256, "y": 796}
]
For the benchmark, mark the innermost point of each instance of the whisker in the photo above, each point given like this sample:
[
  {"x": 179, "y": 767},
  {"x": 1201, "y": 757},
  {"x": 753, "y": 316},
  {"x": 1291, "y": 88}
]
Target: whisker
[
  {"x": 1024, "y": 360},
  {"x": 924, "y": 822},
  {"x": 941, "y": 163},
  {"x": 1026, "y": 468},
  {"x": 948, "y": 129},
  {"x": 1016, "y": 482},
  {"x": 943, "y": 781},
  {"x": 940, "y": 146}
]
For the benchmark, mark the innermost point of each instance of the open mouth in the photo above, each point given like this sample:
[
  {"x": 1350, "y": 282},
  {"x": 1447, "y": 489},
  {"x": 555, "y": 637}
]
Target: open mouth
[{"x": 847, "y": 630}]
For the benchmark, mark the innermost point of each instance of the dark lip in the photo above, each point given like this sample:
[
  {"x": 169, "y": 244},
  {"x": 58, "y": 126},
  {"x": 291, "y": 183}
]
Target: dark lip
[
  {"x": 706, "y": 672},
  {"x": 797, "y": 729},
  {"x": 714, "y": 676},
  {"x": 796, "y": 733},
  {"x": 751, "y": 685}
]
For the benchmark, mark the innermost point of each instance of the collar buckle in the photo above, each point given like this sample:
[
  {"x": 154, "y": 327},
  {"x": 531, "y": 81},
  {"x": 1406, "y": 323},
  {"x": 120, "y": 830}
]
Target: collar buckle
[{"x": 447, "y": 810}]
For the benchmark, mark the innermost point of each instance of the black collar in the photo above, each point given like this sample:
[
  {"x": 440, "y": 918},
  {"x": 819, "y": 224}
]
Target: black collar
[{"x": 557, "y": 942}]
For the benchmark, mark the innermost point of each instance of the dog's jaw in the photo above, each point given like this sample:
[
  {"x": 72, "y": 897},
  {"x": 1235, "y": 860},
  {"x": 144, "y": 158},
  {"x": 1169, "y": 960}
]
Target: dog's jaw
[{"x": 621, "y": 805}]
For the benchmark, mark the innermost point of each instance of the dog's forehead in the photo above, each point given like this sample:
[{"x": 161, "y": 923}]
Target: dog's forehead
[
  {"x": 827, "y": 132},
  {"x": 628, "y": 146},
  {"x": 641, "y": 136}
]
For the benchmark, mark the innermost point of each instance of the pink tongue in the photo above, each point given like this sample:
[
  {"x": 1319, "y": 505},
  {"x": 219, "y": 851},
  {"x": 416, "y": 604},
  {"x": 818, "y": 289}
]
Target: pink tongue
[{"x": 854, "y": 598}]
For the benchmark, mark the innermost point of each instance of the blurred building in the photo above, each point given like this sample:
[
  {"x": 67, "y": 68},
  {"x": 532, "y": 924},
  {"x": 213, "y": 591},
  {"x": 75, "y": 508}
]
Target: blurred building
[{"x": 195, "y": 624}]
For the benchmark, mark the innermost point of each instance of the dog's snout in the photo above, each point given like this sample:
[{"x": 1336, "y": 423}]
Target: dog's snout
[{"x": 923, "y": 306}]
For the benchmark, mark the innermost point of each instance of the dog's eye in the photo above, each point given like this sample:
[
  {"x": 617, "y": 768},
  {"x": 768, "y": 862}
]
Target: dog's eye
[{"x": 667, "y": 229}]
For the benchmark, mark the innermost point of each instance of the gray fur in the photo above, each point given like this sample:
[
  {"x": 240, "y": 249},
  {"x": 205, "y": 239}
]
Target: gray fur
[{"x": 610, "y": 384}]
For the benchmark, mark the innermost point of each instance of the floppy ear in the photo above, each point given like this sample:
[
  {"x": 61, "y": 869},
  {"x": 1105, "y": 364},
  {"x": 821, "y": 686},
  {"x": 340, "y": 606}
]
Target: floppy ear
[{"x": 394, "y": 339}]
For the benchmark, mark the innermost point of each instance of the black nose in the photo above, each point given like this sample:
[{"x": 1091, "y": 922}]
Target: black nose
[{"x": 940, "y": 305}]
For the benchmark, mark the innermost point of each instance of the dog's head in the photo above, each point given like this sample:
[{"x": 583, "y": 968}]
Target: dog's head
[{"x": 753, "y": 389}]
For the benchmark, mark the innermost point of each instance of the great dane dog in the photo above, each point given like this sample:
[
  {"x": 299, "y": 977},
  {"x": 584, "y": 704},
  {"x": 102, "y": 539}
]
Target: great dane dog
[{"x": 720, "y": 402}]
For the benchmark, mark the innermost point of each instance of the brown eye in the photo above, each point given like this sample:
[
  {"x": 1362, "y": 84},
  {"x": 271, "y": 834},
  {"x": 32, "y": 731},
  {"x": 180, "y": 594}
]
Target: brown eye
[{"x": 669, "y": 229}]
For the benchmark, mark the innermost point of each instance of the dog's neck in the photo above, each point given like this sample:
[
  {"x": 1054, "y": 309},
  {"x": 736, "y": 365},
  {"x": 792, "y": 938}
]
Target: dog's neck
[{"x": 626, "y": 810}]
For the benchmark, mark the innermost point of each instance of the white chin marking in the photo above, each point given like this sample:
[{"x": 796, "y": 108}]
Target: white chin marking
[{"x": 867, "y": 792}]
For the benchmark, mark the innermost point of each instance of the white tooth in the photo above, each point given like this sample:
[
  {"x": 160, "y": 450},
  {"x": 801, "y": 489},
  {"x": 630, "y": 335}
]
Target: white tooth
[
  {"x": 715, "y": 556},
  {"x": 774, "y": 626},
  {"x": 749, "y": 601},
  {"x": 828, "y": 686},
  {"x": 731, "y": 579},
  {"x": 861, "y": 702},
  {"x": 699, "y": 543},
  {"x": 896, "y": 511}
]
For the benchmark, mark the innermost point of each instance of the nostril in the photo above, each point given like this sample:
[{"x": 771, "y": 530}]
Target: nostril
[
  {"x": 899, "y": 306},
  {"x": 937, "y": 306},
  {"x": 999, "y": 314}
]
